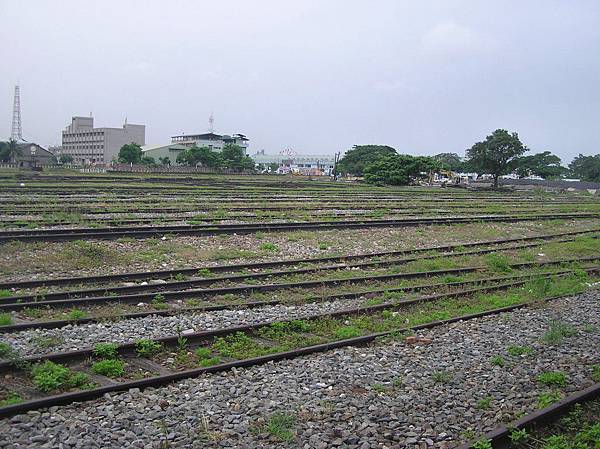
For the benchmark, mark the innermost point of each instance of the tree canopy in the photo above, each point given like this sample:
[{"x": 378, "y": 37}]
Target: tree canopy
[
  {"x": 449, "y": 161},
  {"x": 546, "y": 165},
  {"x": 65, "y": 159},
  {"x": 399, "y": 169},
  {"x": 586, "y": 168},
  {"x": 130, "y": 154},
  {"x": 9, "y": 151},
  {"x": 497, "y": 154},
  {"x": 232, "y": 156},
  {"x": 355, "y": 160}
]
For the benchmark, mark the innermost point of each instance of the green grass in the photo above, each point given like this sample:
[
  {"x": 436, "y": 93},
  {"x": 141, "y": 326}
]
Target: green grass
[
  {"x": 5, "y": 319},
  {"x": 109, "y": 368},
  {"x": 47, "y": 341},
  {"x": 4, "y": 293},
  {"x": 596, "y": 373},
  {"x": 5, "y": 349},
  {"x": 553, "y": 379},
  {"x": 106, "y": 350},
  {"x": 50, "y": 376},
  {"x": 442, "y": 377},
  {"x": 497, "y": 360},
  {"x": 498, "y": 263},
  {"x": 270, "y": 247},
  {"x": 484, "y": 403},
  {"x": 548, "y": 398},
  {"x": 11, "y": 399},
  {"x": 77, "y": 314},
  {"x": 557, "y": 332},
  {"x": 240, "y": 346},
  {"x": 281, "y": 425},
  {"x": 147, "y": 348},
  {"x": 517, "y": 351}
]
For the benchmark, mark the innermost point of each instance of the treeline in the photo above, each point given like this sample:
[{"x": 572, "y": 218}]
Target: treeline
[
  {"x": 231, "y": 157},
  {"x": 499, "y": 154}
]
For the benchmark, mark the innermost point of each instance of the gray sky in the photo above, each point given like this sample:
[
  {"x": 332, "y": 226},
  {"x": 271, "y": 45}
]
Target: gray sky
[{"x": 317, "y": 76}]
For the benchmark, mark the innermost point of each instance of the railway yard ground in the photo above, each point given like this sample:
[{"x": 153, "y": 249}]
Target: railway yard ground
[{"x": 176, "y": 311}]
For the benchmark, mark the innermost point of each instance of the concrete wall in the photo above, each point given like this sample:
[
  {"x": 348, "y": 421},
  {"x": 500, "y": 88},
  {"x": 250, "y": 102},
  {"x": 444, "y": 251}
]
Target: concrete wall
[{"x": 115, "y": 138}]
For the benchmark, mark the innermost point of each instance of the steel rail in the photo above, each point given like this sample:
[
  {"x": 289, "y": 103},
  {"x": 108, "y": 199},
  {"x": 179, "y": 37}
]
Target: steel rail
[
  {"x": 54, "y": 324},
  {"x": 245, "y": 277},
  {"x": 500, "y": 436},
  {"x": 246, "y": 289},
  {"x": 156, "y": 381},
  {"x": 112, "y": 233},
  {"x": 276, "y": 263}
]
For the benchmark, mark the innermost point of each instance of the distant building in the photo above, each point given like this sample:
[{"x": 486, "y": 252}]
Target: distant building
[
  {"x": 33, "y": 155},
  {"x": 297, "y": 163},
  {"x": 211, "y": 140},
  {"x": 157, "y": 152},
  {"x": 89, "y": 145}
]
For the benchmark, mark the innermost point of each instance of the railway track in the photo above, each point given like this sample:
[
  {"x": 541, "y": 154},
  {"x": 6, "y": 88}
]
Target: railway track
[
  {"x": 59, "y": 299},
  {"x": 152, "y": 231},
  {"x": 190, "y": 271},
  {"x": 249, "y": 277},
  {"x": 500, "y": 437},
  {"x": 58, "y": 323},
  {"x": 17, "y": 372}
]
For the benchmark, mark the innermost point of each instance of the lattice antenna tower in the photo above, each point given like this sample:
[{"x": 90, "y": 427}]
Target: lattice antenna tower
[
  {"x": 16, "y": 131},
  {"x": 211, "y": 123}
]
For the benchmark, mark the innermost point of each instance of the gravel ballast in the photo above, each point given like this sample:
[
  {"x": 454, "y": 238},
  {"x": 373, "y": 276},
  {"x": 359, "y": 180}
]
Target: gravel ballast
[
  {"x": 72, "y": 337},
  {"x": 389, "y": 395}
]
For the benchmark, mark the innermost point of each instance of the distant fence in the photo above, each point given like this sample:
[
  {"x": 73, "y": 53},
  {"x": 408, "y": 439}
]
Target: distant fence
[{"x": 173, "y": 169}]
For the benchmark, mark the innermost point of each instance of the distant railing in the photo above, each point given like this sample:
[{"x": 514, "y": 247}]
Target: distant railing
[{"x": 173, "y": 169}]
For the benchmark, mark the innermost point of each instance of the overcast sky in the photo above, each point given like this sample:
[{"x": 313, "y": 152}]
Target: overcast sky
[{"x": 317, "y": 76}]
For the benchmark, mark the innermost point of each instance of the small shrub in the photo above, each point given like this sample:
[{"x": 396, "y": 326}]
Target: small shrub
[
  {"x": 497, "y": 360},
  {"x": 50, "y": 376},
  {"x": 147, "y": 348},
  {"x": 11, "y": 399},
  {"x": 5, "y": 319},
  {"x": 5, "y": 349},
  {"x": 180, "y": 277},
  {"x": 442, "y": 377},
  {"x": 106, "y": 350},
  {"x": 77, "y": 314},
  {"x": 557, "y": 332},
  {"x": 5, "y": 293},
  {"x": 596, "y": 373},
  {"x": 482, "y": 444},
  {"x": 158, "y": 302},
  {"x": 271, "y": 247},
  {"x": 553, "y": 378},
  {"x": 280, "y": 425},
  {"x": 379, "y": 388},
  {"x": 518, "y": 436},
  {"x": 204, "y": 273},
  {"x": 203, "y": 353},
  {"x": 205, "y": 363},
  {"x": 345, "y": 332},
  {"x": 484, "y": 403},
  {"x": 498, "y": 262},
  {"x": 548, "y": 398},
  {"x": 517, "y": 351},
  {"x": 109, "y": 367}
]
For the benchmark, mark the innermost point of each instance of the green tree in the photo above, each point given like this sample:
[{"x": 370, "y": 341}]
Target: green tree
[
  {"x": 130, "y": 154},
  {"x": 546, "y": 165},
  {"x": 10, "y": 151},
  {"x": 399, "y": 169},
  {"x": 449, "y": 161},
  {"x": 233, "y": 157},
  {"x": 586, "y": 168},
  {"x": 496, "y": 155},
  {"x": 356, "y": 160},
  {"x": 195, "y": 156},
  {"x": 148, "y": 160},
  {"x": 164, "y": 160},
  {"x": 65, "y": 159}
]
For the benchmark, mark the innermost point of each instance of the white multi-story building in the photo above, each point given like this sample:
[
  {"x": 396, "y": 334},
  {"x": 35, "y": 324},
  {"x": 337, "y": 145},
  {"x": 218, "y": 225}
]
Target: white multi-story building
[
  {"x": 297, "y": 163},
  {"x": 89, "y": 145},
  {"x": 215, "y": 142}
]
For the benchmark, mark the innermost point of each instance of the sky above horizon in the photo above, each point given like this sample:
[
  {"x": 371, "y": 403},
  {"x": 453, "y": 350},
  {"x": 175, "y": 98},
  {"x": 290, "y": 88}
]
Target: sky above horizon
[{"x": 315, "y": 76}]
